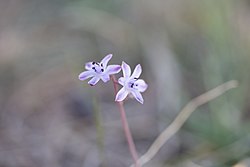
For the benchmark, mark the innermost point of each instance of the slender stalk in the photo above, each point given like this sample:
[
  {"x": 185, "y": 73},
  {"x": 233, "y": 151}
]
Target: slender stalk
[
  {"x": 99, "y": 130},
  {"x": 128, "y": 135},
  {"x": 184, "y": 114}
]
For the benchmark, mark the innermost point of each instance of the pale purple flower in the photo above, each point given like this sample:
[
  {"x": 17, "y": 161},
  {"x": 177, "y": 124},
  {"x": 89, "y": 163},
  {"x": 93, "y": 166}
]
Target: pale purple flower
[
  {"x": 131, "y": 83},
  {"x": 97, "y": 71}
]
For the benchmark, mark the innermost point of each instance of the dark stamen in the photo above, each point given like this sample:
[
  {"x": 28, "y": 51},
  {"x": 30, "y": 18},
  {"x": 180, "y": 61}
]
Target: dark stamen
[
  {"x": 93, "y": 62},
  {"x": 101, "y": 65},
  {"x": 102, "y": 70},
  {"x": 132, "y": 85},
  {"x": 94, "y": 68},
  {"x": 136, "y": 78}
]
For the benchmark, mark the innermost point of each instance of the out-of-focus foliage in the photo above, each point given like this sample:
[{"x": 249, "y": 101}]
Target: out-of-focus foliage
[{"x": 50, "y": 118}]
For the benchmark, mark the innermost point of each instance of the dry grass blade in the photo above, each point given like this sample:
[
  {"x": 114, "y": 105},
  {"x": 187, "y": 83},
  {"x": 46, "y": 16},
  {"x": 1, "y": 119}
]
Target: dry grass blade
[{"x": 182, "y": 117}]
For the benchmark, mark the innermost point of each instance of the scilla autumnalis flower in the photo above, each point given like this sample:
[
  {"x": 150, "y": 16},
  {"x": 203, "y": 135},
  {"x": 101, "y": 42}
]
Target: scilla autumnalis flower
[
  {"x": 99, "y": 70},
  {"x": 131, "y": 83}
]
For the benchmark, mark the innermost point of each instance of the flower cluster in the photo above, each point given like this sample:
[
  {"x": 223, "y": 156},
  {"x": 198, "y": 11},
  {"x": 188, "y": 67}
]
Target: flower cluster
[{"x": 131, "y": 83}]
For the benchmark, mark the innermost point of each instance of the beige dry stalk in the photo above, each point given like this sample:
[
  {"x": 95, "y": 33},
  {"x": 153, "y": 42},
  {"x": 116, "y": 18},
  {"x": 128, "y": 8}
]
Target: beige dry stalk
[{"x": 184, "y": 114}]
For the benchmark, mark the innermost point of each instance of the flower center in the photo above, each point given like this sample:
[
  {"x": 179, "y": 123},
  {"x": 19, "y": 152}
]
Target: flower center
[
  {"x": 97, "y": 67},
  {"x": 131, "y": 84}
]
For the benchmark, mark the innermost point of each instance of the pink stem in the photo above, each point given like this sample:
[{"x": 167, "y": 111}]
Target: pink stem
[{"x": 131, "y": 143}]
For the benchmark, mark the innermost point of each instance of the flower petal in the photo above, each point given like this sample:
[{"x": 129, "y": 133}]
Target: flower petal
[
  {"x": 138, "y": 96},
  {"x": 121, "y": 95},
  {"x": 137, "y": 72},
  {"x": 121, "y": 81},
  {"x": 88, "y": 66},
  {"x": 105, "y": 78},
  {"x": 93, "y": 81},
  {"x": 126, "y": 70},
  {"x": 113, "y": 69},
  {"x": 105, "y": 60},
  {"x": 85, "y": 75},
  {"x": 141, "y": 85}
]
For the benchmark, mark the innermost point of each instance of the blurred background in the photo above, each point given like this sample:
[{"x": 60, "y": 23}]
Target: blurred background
[{"x": 186, "y": 47}]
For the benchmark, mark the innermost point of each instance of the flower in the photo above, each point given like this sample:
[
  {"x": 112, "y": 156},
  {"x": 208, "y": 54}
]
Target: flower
[
  {"x": 131, "y": 83},
  {"x": 99, "y": 71}
]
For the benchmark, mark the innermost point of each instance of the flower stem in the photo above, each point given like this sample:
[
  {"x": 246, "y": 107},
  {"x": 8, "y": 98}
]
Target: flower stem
[
  {"x": 99, "y": 129},
  {"x": 128, "y": 135}
]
